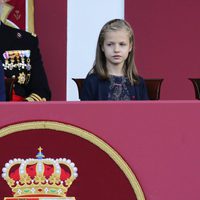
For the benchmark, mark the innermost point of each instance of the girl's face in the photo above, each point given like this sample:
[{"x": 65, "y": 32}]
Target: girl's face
[{"x": 116, "y": 47}]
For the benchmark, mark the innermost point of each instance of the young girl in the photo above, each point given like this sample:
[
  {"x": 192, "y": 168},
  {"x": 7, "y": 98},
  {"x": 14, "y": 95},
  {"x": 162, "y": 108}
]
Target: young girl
[{"x": 114, "y": 74}]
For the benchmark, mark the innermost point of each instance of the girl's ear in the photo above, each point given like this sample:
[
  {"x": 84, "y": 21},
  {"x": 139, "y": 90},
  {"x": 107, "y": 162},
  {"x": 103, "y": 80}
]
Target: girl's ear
[
  {"x": 131, "y": 47},
  {"x": 102, "y": 48}
]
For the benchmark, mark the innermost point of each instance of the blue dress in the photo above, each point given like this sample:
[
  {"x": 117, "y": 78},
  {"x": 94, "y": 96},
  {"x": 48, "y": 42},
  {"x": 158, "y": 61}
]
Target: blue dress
[
  {"x": 2, "y": 84},
  {"x": 95, "y": 88}
]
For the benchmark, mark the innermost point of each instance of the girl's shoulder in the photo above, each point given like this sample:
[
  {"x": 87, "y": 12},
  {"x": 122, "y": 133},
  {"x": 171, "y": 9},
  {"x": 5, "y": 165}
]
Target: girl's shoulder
[
  {"x": 93, "y": 80},
  {"x": 92, "y": 77},
  {"x": 140, "y": 80}
]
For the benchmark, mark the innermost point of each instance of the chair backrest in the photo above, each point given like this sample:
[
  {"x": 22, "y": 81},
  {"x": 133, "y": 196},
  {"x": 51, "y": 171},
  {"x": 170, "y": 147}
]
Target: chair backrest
[
  {"x": 196, "y": 84},
  {"x": 79, "y": 84},
  {"x": 153, "y": 87}
]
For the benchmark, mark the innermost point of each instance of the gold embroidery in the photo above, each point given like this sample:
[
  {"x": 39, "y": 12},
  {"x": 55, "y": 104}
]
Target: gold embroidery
[
  {"x": 35, "y": 97},
  {"x": 21, "y": 78}
]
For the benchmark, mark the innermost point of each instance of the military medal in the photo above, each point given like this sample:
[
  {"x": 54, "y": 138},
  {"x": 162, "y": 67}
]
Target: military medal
[
  {"x": 27, "y": 54},
  {"x": 6, "y": 57},
  {"x": 21, "y": 78},
  {"x": 17, "y": 59},
  {"x": 20, "y": 60},
  {"x": 21, "y": 54},
  {"x": 12, "y": 59}
]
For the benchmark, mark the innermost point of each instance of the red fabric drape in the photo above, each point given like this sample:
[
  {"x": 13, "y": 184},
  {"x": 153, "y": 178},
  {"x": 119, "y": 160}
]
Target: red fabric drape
[{"x": 19, "y": 14}]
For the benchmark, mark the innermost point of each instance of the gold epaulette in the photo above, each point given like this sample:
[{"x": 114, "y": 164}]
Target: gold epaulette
[{"x": 35, "y": 97}]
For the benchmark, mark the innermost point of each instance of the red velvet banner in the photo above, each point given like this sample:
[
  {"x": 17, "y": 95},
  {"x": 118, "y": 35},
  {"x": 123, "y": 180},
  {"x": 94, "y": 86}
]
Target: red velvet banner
[
  {"x": 99, "y": 177},
  {"x": 19, "y": 14}
]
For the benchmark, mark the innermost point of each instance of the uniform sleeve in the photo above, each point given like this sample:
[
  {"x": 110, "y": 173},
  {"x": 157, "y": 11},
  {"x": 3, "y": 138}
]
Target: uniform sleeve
[
  {"x": 2, "y": 84},
  {"x": 38, "y": 86}
]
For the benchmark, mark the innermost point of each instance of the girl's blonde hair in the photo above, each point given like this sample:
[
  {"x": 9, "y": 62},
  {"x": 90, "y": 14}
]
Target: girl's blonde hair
[{"x": 99, "y": 66}]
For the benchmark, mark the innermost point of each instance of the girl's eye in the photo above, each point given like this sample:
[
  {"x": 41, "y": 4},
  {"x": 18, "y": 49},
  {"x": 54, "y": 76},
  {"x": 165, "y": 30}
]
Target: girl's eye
[
  {"x": 109, "y": 44},
  {"x": 123, "y": 44}
]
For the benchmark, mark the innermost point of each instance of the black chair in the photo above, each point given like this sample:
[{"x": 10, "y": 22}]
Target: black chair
[
  {"x": 153, "y": 87},
  {"x": 196, "y": 84}
]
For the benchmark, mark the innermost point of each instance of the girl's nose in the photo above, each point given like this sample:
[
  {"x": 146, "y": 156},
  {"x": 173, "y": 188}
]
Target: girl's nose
[{"x": 116, "y": 48}]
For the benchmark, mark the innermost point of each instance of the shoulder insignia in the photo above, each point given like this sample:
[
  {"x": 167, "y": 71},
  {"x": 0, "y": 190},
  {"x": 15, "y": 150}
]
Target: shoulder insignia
[{"x": 19, "y": 35}]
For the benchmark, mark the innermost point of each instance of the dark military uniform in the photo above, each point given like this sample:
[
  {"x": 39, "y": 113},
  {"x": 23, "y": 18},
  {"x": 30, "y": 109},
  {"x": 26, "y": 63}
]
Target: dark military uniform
[
  {"x": 22, "y": 61},
  {"x": 2, "y": 84}
]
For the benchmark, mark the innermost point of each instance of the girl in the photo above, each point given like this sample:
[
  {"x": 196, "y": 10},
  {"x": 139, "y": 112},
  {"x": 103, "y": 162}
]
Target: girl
[{"x": 114, "y": 74}]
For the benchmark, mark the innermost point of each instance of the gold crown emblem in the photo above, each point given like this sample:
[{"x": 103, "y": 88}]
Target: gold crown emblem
[{"x": 40, "y": 177}]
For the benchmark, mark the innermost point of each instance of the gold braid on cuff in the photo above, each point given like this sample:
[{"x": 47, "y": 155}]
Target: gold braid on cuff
[{"x": 35, "y": 97}]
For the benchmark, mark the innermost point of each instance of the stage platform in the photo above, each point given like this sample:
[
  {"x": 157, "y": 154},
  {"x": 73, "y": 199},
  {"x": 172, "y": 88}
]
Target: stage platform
[{"x": 159, "y": 140}]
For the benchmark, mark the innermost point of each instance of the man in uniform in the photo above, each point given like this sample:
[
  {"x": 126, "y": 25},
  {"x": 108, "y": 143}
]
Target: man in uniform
[
  {"x": 22, "y": 63},
  {"x": 2, "y": 84}
]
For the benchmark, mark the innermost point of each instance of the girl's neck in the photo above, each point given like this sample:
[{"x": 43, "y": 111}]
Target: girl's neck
[
  {"x": 115, "y": 70},
  {"x": 115, "y": 74}
]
